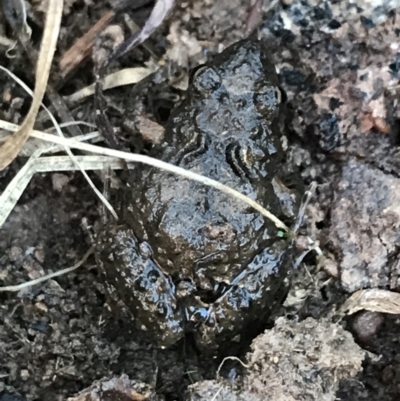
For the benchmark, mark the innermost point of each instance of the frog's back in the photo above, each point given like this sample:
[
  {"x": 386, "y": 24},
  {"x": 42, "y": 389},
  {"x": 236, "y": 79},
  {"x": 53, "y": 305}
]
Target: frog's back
[{"x": 227, "y": 129}]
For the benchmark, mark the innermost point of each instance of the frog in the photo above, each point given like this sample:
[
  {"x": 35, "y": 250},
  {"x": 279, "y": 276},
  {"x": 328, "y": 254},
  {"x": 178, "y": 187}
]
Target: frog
[{"x": 186, "y": 258}]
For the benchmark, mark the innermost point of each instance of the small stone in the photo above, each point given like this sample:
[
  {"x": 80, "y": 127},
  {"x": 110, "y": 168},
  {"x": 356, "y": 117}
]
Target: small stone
[
  {"x": 365, "y": 225},
  {"x": 59, "y": 181},
  {"x": 24, "y": 374},
  {"x": 387, "y": 374},
  {"x": 150, "y": 130},
  {"x": 367, "y": 324},
  {"x": 41, "y": 307},
  {"x": 331, "y": 267},
  {"x": 14, "y": 253},
  {"x": 39, "y": 254}
]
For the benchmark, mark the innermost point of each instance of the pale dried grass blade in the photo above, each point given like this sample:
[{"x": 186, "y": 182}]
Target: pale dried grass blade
[
  {"x": 127, "y": 76},
  {"x": 136, "y": 158},
  {"x": 374, "y": 300},
  {"x": 10, "y": 150},
  {"x": 33, "y": 144},
  {"x": 67, "y": 149},
  {"x": 71, "y": 123},
  {"x": 64, "y": 163},
  {"x": 37, "y": 164},
  {"x": 7, "y": 126},
  {"x": 16, "y": 187},
  {"x": 217, "y": 393},
  {"x": 230, "y": 358}
]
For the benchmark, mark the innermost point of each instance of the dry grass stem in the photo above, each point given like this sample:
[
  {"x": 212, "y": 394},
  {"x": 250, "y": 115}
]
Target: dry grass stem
[
  {"x": 64, "y": 163},
  {"x": 11, "y": 148},
  {"x": 171, "y": 168},
  {"x": 160, "y": 11},
  {"x": 16, "y": 187},
  {"x": 217, "y": 393},
  {"x": 66, "y": 148},
  {"x": 33, "y": 144},
  {"x": 37, "y": 164},
  {"x": 19, "y": 287}
]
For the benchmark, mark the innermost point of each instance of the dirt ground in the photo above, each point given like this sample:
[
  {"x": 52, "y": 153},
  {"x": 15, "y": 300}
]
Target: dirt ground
[{"x": 339, "y": 64}]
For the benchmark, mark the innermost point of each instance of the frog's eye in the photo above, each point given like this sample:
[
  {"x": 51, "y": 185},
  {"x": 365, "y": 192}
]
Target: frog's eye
[
  {"x": 152, "y": 276},
  {"x": 268, "y": 99},
  {"x": 205, "y": 79}
]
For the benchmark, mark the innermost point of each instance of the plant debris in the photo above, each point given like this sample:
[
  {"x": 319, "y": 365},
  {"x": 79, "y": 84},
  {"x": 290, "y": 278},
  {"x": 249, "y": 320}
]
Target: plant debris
[{"x": 11, "y": 148}]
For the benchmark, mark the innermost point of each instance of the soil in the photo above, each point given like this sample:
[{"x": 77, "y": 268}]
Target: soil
[{"x": 339, "y": 65}]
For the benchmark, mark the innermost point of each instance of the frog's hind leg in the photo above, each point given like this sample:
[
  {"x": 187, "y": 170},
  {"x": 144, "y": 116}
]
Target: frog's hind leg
[
  {"x": 135, "y": 278},
  {"x": 245, "y": 308}
]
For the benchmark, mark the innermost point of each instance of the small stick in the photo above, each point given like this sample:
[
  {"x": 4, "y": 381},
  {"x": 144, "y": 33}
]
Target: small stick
[{"x": 82, "y": 48}]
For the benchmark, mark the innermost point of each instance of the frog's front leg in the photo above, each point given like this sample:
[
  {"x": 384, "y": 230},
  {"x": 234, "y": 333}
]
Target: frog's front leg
[
  {"x": 249, "y": 300},
  {"x": 137, "y": 280}
]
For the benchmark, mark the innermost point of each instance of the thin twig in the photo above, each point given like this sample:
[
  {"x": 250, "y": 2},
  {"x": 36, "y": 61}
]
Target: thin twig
[
  {"x": 83, "y": 46},
  {"x": 37, "y": 164}
]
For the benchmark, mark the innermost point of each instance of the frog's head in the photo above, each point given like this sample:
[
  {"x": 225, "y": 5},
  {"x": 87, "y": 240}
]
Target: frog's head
[
  {"x": 239, "y": 104},
  {"x": 243, "y": 70}
]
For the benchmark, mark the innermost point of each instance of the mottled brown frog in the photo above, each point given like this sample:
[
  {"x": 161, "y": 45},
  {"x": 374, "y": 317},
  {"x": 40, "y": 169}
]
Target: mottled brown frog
[{"x": 186, "y": 257}]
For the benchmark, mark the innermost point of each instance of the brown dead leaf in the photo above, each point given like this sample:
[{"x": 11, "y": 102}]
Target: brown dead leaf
[{"x": 11, "y": 148}]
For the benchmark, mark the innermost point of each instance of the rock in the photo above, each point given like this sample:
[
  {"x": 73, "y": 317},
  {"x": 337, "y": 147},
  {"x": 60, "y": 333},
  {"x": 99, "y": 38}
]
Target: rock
[
  {"x": 291, "y": 362},
  {"x": 367, "y": 325},
  {"x": 365, "y": 226}
]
